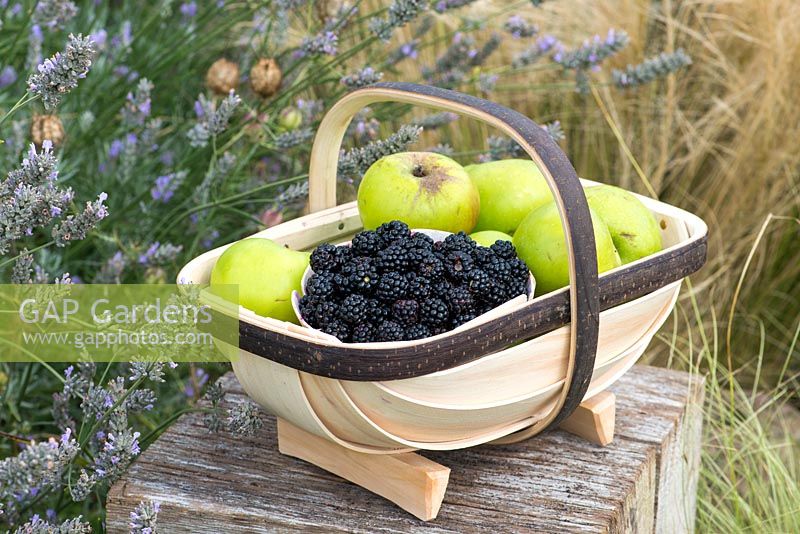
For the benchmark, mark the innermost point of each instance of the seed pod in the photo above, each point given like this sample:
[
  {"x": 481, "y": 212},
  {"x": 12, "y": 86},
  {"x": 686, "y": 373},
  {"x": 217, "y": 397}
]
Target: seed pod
[
  {"x": 290, "y": 118},
  {"x": 47, "y": 127},
  {"x": 265, "y": 77},
  {"x": 223, "y": 76}
]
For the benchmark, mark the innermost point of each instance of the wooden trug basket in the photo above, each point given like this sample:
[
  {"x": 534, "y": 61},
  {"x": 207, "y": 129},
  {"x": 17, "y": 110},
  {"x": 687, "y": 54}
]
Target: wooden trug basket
[{"x": 359, "y": 410}]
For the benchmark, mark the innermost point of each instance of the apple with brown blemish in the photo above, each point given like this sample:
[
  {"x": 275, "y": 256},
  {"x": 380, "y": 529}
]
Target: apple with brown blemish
[{"x": 422, "y": 189}]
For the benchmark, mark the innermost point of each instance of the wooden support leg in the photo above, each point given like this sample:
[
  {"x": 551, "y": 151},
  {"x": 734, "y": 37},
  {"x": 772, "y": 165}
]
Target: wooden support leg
[
  {"x": 414, "y": 483},
  {"x": 593, "y": 420}
]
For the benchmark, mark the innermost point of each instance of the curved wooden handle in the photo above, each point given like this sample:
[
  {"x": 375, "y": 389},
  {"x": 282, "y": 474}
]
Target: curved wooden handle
[{"x": 560, "y": 176}]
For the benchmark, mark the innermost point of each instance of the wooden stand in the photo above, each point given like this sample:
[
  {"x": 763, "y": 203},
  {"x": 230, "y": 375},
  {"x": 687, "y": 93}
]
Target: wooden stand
[
  {"x": 411, "y": 481},
  {"x": 644, "y": 481}
]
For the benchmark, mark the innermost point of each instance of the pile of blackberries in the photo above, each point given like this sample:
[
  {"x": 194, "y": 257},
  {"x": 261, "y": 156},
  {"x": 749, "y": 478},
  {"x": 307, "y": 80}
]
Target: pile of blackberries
[{"x": 394, "y": 285}]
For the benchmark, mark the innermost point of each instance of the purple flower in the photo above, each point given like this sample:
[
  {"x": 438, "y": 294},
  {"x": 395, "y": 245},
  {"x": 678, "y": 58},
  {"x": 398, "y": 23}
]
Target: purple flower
[
  {"x": 188, "y": 9},
  {"x": 100, "y": 38},
  {"x": 7, "y": 76},
  {"x": 115, "y": 149},
  {"x": 149, "y": 253},
  {"x": 409, "y": 50},
  {"x": 36, "y": 33},
  {"x": 208, "y": 241},
  {"x": 166, "y": 185}
]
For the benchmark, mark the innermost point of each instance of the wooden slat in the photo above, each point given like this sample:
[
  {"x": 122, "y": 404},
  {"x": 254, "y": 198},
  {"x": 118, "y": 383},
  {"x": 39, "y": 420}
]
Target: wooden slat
[{"x": 555, "y": 482}]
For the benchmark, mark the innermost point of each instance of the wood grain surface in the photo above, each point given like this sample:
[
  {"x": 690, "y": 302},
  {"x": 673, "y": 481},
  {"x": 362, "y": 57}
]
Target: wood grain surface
[{"x": 644, "y": 481}]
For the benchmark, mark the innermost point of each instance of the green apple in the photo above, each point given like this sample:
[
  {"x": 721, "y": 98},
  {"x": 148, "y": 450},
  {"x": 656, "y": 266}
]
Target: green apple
[
  {"x": 510, "y": 189},
  {"x": 539, "y": 241},
  {"x": 633, "y": 227},
  {"x": 422, "y": 189},
  {"x": 488, "y": 238},
  {"x": 265, "y": 272}
]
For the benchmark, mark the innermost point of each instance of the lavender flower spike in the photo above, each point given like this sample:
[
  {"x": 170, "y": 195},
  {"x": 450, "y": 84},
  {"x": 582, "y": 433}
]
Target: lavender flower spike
[
  {"x": 591, "y": 53},
  {"x": 144, "y": 518},
  {"x": 519, "y": 27},
  {"x": 651, "y": 69},
  {"x": 59, "y": 75},
  {"x": 355, "y": 162},
  {"x": 37, "y": 525},
  {"x": 364, "y": 77},
  {"x": 7, "y": 76},
  {"x": 294, "y": 138},
  {"x": 244, "y": 419},
  {"x": 53, "y": 13},
  {"x": 401, "y": 12},
  {"x": 212, "y": 120},
  {"x": 326, "y": 43},
  {"x": 76, "y": 227},
  {"x": 445, "y": 5}
]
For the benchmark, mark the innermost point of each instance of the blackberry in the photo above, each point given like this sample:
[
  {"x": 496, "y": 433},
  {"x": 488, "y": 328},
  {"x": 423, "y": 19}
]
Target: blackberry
[
  {"x": 325, "y": 312},
  {"x": 519, "y": 269},
  {"x": 323, "y": 258},
  {"x": 376, "y": 311},
  {"x": 463, "y": 318},
  {"x": 393, "y": 258},
  {"x": 393, "y": 231},
  {"x": 367, "y": 243},
  {"x": 389, "y": 331},
  {"x": 329, "y": 258},
  {"x": 507, "y": 270},
  {"x": 405, "y": 312},
  {"x": 363, "y": 333},
  {"x": 320, "y": 284},
  {"x": 353, "y": 309},
  {"x": 308, "y": 307},
  {"x": 504, "y": 249},
  {"x": 457, "y": 264},
  {"x": 417, "y": 331},
  {"x": 516, "y": 288},
  {"x": 459, "y": 242},
  {"x": 482, "y": 307},
  {"x": 436, "y": 330},
  {"x": 337, "y": 328},
  {"x": 433, "y": 311},
  {"x": 419, "y": 240},
  {"x": 499, "y": 269},
  {"x": 440, "y": 288},
  {"x": 430, "y": 267},
  {"x": 362, "y": 276},
  {"x": 341, "y": 283},
  {"x": 416, "y": 254},
  {"x": 419, "y": 287},
  {"x": 496, "y": 296},
  {"x": 479, "y": 282},
  {"x": 482, "y": 256},
  {"x": 460, "y": 301},
  {"x": 391, "y": 287}
]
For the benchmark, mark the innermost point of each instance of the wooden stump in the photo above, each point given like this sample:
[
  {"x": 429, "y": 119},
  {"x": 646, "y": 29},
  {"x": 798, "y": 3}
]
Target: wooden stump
[{"x": 644, "y": 481}]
